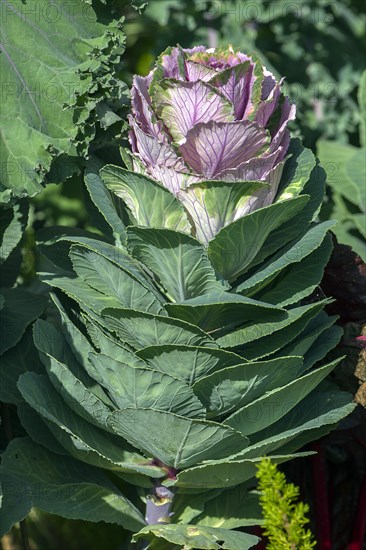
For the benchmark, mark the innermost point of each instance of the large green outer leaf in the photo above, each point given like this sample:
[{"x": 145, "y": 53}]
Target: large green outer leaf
[
  {"x": 235, "y": 246},
  {"x": 50, "y": 239},
  {"x": 300, "y": 279},
  {"x": 142, "y": 387},
  {"x": 257, "y": 340},
  {"x": 314, "y": 188},
  {"x": 109, "y": 345},
  {"x": 141, "y": 330},
  {"x": 189, "y": 363},
  {"x": 199, "y": 537},
  {"x": 228, "y": 472},
  {"x": 293, "y": 253},
  {"x": 13, "y": 508},
  {"x": 70, "y": 348},
  {"x": 177, "y": 441},
  {"x": 276, "y": 403},
  {"x": 327, "y": 341},
  {"x": 217, "y": 310},
  {"x": 76, "y": 395},
  {"x": 180, "y": 261},
  {"x": 83, "y": 441},
  {"x": 21, "y": 358},
  {"x": 60, "y": 485},
  {"x": 320, "y": 411},
  {"x": 235, "y": 507},
  {"x": 44, "y": 48},
  {"x": 150, "y": 204},
  {"x": 233, "y": 387},
  {"x": 37, "y": 428},
  {"x": 188, "y": 506},
  {"x": 102, "y": 275},
  {"x": 312, "y": 333}
]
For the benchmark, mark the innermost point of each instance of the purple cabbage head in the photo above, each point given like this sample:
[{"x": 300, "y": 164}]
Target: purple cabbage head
[{"x": 210, "y": 115}]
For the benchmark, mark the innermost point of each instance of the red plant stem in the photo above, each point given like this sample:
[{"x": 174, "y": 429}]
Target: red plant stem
[
  {"x": 257, "y": 531},
  {"x": 321, "y": 498},
  {"x": 359, "y": 529}
]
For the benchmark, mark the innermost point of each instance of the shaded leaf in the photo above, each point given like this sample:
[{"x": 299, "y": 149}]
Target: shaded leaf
[
  {"x": 185, "y": 443},
  {"x": 63, "y": 486},
  {"x": 191, "y": 536},
  {"x": 21, "y": 307}
]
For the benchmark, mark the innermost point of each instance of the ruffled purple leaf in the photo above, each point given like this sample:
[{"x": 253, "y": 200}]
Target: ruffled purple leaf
[
  {"x": 268, "y": 84},
  {"x": 183, "y": 105},
  {"x": 141, "y": 107},
  {"x": 255, "y": 169},
  {"x": 153, "y": 152},
  {"x": 234, "y": 84},
  {"x": 214, "y": 147},
  {"x": 281, "y": 135},
  {"x": 268, "y": 106}
]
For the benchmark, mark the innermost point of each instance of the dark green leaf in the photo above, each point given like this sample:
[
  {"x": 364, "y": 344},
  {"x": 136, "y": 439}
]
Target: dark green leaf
[
  {"x": 20, "y": 309},
  {"x": 220, "y": 309},
  {"x": 198, "y": 537},
  {"x": 185, "y": 442},
  {"x": 233, "y": 387},
  {"x": 141, "y": 330},
  {"x": 188, "y": 363},
  {"x": 235, "y": 246},
  {"x": 142, "y": 387},
  {"x": 180, "y": 261},
  {"x": 63, "y": 486},
  {"x": 276, "y": 403}
]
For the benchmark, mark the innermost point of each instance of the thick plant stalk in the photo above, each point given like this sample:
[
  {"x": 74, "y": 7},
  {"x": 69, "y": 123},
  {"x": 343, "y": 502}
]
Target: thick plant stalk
[{"x": 158, "y": 506}]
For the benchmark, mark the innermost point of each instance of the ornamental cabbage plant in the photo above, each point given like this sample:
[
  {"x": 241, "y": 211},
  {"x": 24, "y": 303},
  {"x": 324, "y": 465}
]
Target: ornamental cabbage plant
[{"x": 186, "y": 341}]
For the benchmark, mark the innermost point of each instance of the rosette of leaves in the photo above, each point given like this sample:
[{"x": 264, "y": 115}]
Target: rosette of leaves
[
  {"x": 346, "y": 168},
  {"x": 211, "y": 116},
  {"x": 173, "y": 364}
]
